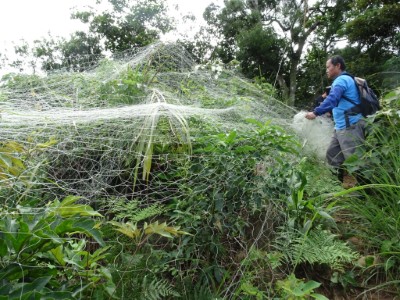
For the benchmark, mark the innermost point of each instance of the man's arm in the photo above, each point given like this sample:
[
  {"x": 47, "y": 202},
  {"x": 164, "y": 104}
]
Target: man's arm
[{"x": 328, "y": 104}]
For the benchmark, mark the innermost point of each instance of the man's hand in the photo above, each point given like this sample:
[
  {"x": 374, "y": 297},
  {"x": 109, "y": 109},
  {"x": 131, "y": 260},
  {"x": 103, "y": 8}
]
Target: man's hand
[{"x": 310, "y": 115}]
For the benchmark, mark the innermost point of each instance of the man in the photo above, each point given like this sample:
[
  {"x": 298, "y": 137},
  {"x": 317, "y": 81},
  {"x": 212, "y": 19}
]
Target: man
[{"x": 349, "y": 127}]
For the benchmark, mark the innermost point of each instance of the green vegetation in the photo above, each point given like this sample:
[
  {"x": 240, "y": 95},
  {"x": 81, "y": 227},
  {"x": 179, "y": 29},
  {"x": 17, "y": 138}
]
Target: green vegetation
[
  {"x": 163, "y": 205},
  {"x": 145, "y": 176}
]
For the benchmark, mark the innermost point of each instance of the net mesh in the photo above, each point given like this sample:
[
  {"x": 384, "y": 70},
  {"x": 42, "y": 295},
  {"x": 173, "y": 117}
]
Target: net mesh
[
  {"x": 316, "y": 135},
  {"x": 97, "y": 115},
  {"x": 138, "y": 127}
]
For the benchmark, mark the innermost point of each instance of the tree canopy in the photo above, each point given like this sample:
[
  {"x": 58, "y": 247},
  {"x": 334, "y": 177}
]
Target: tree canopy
[
  {"x": 270, "y": 37},
  {"x": 126, "y": 24}
]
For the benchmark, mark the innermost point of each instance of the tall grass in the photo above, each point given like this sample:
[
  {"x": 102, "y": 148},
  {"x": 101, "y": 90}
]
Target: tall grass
[{"x": 375, "y": 212}]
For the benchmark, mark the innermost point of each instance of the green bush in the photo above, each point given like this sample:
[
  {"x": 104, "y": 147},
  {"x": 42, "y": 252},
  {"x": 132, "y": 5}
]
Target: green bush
[{"x": 45, "y": 252}]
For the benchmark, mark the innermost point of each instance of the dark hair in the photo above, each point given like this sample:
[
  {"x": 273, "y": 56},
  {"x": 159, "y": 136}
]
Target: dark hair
[{"x": 337, "y": 59}]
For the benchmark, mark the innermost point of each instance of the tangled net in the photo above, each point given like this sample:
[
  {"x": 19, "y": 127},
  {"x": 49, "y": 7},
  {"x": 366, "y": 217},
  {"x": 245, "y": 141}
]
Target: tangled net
[
  {"x": 97, "y": 116},
  {"x": 149, "y": 126},
  {"x": 316, "y": 134}
]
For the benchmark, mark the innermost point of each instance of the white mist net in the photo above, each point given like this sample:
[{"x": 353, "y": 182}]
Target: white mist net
[
  {"x": 136, "y": 128},
  {"x": 98, "y": 116},
  {"x": 316, "y": 133}
]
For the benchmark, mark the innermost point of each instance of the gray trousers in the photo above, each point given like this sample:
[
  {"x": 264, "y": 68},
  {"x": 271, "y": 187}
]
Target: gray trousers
[{"x": 344, "y": 143}]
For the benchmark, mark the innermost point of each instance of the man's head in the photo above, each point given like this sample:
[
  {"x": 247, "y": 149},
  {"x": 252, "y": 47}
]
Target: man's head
[{"x": 334, "y": 66}]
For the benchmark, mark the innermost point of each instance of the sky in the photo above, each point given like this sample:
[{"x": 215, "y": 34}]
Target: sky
[{"x": 34, "y": 19}]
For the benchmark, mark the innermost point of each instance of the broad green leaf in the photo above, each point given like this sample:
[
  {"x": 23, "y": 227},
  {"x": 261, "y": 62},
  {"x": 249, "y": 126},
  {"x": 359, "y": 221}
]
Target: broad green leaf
[
  {"x": 369, "y": 261},
  {"x": 12, "y": 271},
  {"x": 69, "y": 200},
  {"x": 319, "y": 297},
  {"x": 309, "y": 286},
  {"x": 68, "y": 208},
  {"x": 58, "y": 255},
  {"x": 76, "y": 261},
  {"x": 231, "y": 137},
  {"x": 307, "y": 226},
  {"x": 80, "y": 290},
  {"x": 72, "y": 225},
  {"x": 37, "y": 285},
  {"x": 99, "y": 254},
  {"x": 43, "y": 231},
  {"x": 80, "y": 209},
  {"x": 325, "y": 215},
  {"x": 298, "y": 291},
  {"x": 16, "y": 233}
]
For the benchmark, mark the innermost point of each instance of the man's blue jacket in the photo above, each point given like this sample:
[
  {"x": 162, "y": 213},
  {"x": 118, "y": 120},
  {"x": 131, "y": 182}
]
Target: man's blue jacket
[{"x": 343, "y": 85}]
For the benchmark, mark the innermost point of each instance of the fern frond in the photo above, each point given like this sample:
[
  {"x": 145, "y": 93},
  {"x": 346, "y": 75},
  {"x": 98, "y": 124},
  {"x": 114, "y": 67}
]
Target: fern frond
[
  {"x": 131, "y": 211},
  {"x": 148, "y": 212},
  {"x": 157, "y": 289},
  {"x": 317, "y": 247},
  {"x": 323, "y": 247},
  {"x": 200, "y": 290}
]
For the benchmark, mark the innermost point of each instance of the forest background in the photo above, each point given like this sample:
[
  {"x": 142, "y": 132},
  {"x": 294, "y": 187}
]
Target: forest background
[{"x": 250, "y": 215}]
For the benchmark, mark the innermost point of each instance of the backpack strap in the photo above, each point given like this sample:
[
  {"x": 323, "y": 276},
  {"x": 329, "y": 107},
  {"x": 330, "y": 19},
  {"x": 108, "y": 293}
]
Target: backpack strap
[{"x": 355, "y": 110}]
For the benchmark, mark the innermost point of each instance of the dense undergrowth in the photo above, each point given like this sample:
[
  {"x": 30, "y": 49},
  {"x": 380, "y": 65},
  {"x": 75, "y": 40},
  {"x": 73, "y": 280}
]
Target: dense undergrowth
[{"x": 199, "y": 209}]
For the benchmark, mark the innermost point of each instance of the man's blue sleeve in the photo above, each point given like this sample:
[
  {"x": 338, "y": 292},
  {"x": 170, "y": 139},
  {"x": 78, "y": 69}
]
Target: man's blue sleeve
[{"x": 330, "y": 102}]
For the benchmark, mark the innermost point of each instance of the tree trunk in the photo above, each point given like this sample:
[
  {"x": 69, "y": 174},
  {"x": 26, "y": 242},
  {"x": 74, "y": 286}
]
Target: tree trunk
[
  {"x": 294, "y": 64},
  {"x": 283, "y": 86}
]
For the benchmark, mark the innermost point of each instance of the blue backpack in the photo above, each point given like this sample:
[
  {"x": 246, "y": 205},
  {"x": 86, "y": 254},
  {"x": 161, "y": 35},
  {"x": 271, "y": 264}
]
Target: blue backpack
[{"x": 369, "y": 102}]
